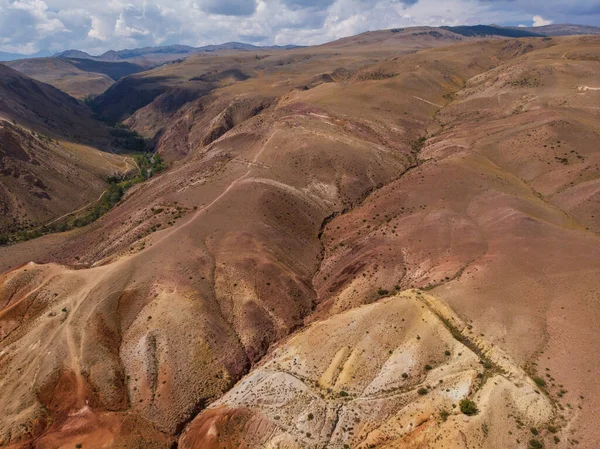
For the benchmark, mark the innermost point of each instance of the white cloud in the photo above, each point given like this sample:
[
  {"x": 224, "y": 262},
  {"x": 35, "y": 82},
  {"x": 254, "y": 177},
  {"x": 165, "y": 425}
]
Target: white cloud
[
  {"x": 539, "y": 21},
  {"x": 98, "y": 30}
]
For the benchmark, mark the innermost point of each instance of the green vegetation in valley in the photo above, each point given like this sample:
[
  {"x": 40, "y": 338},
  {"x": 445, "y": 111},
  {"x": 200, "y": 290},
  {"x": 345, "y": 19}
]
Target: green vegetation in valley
[
  {"x": 148, "y": 166},
  {"x": 127, "y": 139}
]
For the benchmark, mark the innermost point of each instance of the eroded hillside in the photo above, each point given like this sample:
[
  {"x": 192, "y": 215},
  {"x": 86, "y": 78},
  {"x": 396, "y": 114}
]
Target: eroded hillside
[
  {"x": 54, "y": 157},
  {"x": 350, "y": 249}
]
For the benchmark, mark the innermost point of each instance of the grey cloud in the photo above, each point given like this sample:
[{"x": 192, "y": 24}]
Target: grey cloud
[
  {"x": 315, "y": 4},
  {"x": 325, "y": 4},
  {"x": 17, "y": 26},
  {"x": 229, "y": 7},
  {"x": 254, "y": 38},
  {"x": 24, "y": 21}
]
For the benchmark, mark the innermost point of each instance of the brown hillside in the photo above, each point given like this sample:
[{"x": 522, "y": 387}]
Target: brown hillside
[{"x": 352, "y": 243}]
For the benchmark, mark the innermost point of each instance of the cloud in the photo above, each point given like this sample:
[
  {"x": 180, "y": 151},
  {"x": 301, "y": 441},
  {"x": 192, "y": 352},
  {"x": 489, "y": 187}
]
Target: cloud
[
  {"x": 299, "y": 4},
  {"x": 23, "y": 22},
  {"x": 539, "y": 21},
  {"x": 28, "y": 26},
  {"x": 229, "y": 7}
]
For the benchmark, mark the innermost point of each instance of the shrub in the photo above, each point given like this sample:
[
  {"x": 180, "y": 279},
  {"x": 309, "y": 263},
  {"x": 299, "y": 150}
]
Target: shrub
[
  {"x": 468, "y": 407},
  {"x": 539, "y": 381},
  {"x": 422, "y": 391},
  {"x": 535, "y": 444},
  {"x": 126, "y": 139}
]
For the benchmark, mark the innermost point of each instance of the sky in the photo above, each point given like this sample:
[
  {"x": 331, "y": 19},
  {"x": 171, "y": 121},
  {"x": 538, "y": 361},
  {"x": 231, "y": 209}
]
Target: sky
[{"x": 28, "y": 26}]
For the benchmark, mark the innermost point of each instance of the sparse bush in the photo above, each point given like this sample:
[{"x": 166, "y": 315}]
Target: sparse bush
[
  {"x": 485, "y": 429},
  {"x": 418, "y": 144},
  {"x": 539, "y": 381},
  {"x": 535, "y": 444},
  {"x": 422, "y": 391},
  {"x": 468, "y": 407}
]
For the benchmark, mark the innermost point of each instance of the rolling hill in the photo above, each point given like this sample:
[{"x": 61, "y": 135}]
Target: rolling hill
[
  {"x": 50, "y": 163},
  {"x": 82, "y": 75},
  {"x": 77, "y": 77},
  {"x": 386, "y": 241},
  {"x": 64, "y": 76}
]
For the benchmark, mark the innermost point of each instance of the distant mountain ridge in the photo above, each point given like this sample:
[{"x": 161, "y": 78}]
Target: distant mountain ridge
[
  {"x": 491, "y": 30},
  {"x": 565, "y": 29},
  {"x": 562, "y": 29},
  {"x": 118, "y": 55},
  {"x": 83, "y": 75},
  {"x": 516, "y": 32},
  {"x": 5, "y": 56}
]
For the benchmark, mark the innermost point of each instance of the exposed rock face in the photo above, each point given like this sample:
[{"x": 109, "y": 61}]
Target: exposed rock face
[{"x": 381, "y": 375}]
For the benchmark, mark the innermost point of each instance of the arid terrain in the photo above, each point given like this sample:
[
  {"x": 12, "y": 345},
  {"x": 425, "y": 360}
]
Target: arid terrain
[
  {"x": 50, "y": 158},
  {"x": 387, "y": 241}
]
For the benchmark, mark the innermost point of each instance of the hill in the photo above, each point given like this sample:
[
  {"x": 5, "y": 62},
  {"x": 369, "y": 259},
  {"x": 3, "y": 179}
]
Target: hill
[
  {"x": 82, "y": 75},
  {"x": 167, "y": 51},
  {"x": 46, "y": 109},
  {"x": 4, "y": 56},
  {"x": 163, "y": 90},
  {"x": 564, "y": 30},
  {"x": 77, "y": 77},
  {"x": 64, "y": 76},
  {"x": 386, "y": 241},
  {"x": 49, "y": 164},
  {"x": 491, "y": 30}
]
